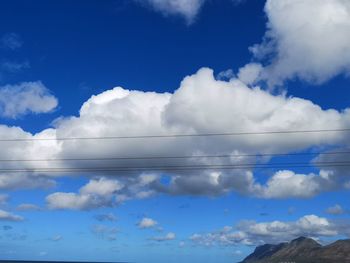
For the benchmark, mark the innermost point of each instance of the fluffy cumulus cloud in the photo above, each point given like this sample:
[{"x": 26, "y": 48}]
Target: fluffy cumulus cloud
[
  {"x": 309, "y": 40},
  {"x": 61, "y": 200},
  {"x": 147, "y": 222},
  {"x": 202, "y": 104},
  {"x": 188, "y": 9},
  {"x": 96, "y": 193},
  {"x": 286, "y": 184},
  {"x": 101, "y": 187},
  {"x": 24, "y": 176},
  {"x": 24, "y": 98},
  {"x": 255, "y": 233},
  {"x": 103, "y": 192}
]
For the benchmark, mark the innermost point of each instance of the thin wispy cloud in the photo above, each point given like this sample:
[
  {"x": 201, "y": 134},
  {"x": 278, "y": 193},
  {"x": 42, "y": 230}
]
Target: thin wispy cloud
[
  {"x": 14, "y": 66},
  {"x": 11, "y": 41},
  {"x": 105, "y": 232},
  {"x": 56, "y": 238},
  {"x": 335, "y": 210},
  {"x": 7, "y": 216},
  {"x": 106, "y": 217},
  {"x": 188, "y": 9},
  {"x": 28, "y": 207},
  {"x": 168, "y": 237}
]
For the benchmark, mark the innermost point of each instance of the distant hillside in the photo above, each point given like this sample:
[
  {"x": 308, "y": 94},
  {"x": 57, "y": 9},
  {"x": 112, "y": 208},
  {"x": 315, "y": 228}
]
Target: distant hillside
[{"x": 301, "y": 250}]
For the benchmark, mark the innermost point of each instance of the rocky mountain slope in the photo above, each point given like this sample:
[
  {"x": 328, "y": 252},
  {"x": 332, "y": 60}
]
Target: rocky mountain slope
[{"x": 301, "y": 250}]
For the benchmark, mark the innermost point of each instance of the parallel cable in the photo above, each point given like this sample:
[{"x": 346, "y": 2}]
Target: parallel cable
[
  {"x": 179, "y": 167},
  {"x": 174, "y": 135},
  {"x": 174, "y": 157}
]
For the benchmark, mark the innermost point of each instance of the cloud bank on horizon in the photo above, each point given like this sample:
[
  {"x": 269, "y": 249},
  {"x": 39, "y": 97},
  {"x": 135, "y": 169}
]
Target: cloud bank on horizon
[{"x": 253, "y": 233}]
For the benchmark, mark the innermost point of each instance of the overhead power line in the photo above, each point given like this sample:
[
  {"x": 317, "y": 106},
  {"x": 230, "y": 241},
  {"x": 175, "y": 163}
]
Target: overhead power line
[
  {"x": 174, "y": 135},
  {"x": 175, "y": 157},
  {"x": 177, "y": 167}
]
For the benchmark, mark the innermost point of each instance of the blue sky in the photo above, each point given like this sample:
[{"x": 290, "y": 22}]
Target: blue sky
[{"x": 97, "y": 69}]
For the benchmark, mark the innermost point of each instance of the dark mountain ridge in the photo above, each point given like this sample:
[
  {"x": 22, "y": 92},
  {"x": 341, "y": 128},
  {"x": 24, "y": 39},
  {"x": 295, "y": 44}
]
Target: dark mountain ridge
[{"x": 301, "y": 250}]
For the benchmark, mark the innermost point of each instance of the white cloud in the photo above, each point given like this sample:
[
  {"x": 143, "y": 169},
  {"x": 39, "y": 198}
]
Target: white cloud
[
  {"x": 147, "y": 223},
  {"x": 287, "y": 184},
  {"x": 250, "y": 73},
  {"x": 188, "y": 9},
  {"x": 335, "y": 210},
  {"x": 305, "y": 39},
  {"x": 61, "y": 200},
  {"x": 96, "y": 193},
  {"x": 7, "y": 216},
  {"x": 318, "y": 226},
  {"x": 24, "y": 98},
  {"x": 101, "y": 186},
  {"x": 25, "y": 177},
  {"x": 169, "y": 236},
  {"x": 254, "y": 233},
  {"x": 14, "y": 181},
  {"x": 103, "y": 192},
  {"x": 199, "y": 105},
  {"x": 226, "y": 75}
]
